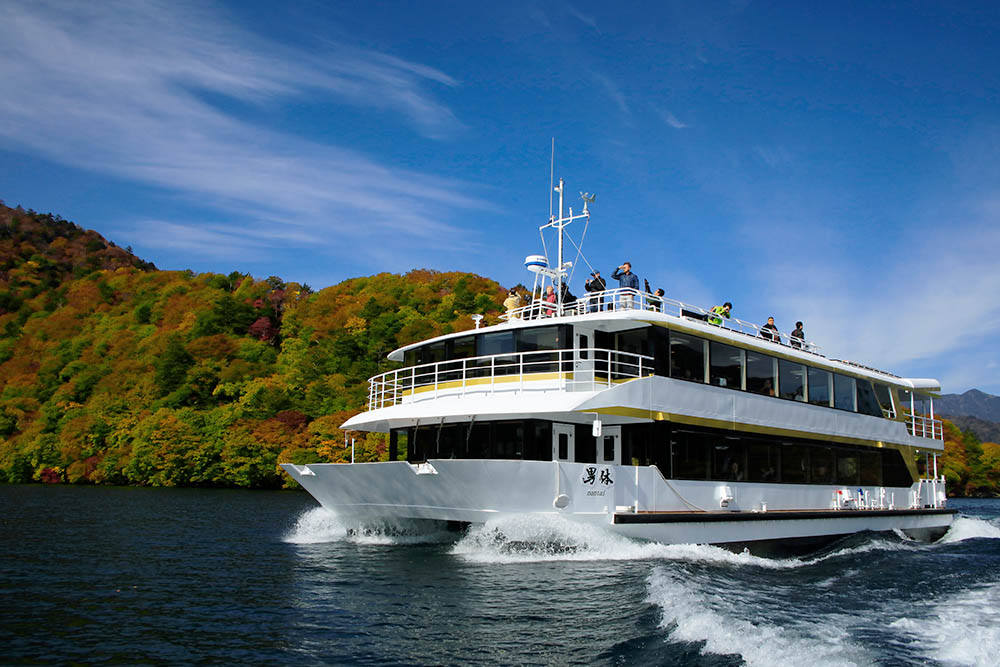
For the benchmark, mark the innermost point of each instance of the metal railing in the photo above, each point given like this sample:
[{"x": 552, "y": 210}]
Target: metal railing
[
  {"x": 925, "y": 427},
  {"x": 584, "y": 369},
  {"x": 631, "y": 299}
]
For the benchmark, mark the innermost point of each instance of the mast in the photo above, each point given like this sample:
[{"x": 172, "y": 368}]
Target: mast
[
  {"x": 559, "y": 266},
  {"x": 560, "y": 223}
]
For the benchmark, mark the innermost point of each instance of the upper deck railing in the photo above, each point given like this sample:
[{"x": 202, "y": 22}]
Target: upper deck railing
[
  {"x": 584, "y": 369},
  {"x": 626, "y": 298},
  {"x": 924, "y": 427}
]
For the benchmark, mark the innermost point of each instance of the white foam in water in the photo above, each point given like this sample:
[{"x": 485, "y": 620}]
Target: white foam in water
[
  {"x": 966, "y": 528},
  {"x": 315, "y": 526},
  {"x": 533, "y": 538},
  {"x": 694, "y": 614},
  {"x": 961, "y": 629},
  {"x": 319, "y": 525}
]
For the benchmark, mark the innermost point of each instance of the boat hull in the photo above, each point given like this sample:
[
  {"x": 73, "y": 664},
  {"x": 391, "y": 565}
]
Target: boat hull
[{"x": 633, "y": 501}]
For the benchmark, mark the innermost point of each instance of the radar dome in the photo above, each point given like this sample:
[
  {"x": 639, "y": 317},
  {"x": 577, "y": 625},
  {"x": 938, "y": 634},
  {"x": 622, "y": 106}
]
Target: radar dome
[{"x": 535, "y": 263}]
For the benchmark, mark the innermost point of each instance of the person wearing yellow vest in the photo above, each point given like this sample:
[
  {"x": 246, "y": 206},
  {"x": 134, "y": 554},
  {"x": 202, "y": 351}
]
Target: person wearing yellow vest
[{"x": 722, "y": 310}]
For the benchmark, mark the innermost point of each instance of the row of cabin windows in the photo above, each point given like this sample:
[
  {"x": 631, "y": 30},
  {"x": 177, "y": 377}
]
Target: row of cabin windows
[
  {"x": 531, "y": 339},
  {"x": 700, "y": 360},
  {"x": 677, "y": 355},
  {"x": 680, "y": 452}
]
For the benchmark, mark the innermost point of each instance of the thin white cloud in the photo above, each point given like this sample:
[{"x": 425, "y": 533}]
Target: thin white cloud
[
  {"x": 583, "y": 18},
  {"x": 612, "y": 90},
  {"x": 773, "y": 156},
  {"x": 928, "y": 299},
  {"x": 671, "y": 120},
  {"x": 121, "y": 87}
]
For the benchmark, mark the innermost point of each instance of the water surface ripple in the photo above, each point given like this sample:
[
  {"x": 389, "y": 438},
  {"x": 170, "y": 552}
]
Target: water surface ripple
[{"x": 99, "y": 575}]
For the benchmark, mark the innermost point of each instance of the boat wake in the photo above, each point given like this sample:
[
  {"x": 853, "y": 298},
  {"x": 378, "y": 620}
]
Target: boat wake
[
  {"x": 963, "y": 628},
  {"x": 319, "y": 525},
  {"x": 968, "y": 527},
  {"x": 748, "y": 623},
  {"x": 528, "y": 539}
]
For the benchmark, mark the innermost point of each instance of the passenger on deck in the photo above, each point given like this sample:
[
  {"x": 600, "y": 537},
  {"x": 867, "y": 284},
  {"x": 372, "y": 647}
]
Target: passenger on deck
[
  {"x": 567, "y": 297},
  {"x": 549, "y": 298},
  {"x": 722, "y": 310},
  {"x": 655, "y": 300},
  {"x": 770, "y": 332},
  {"x": 626, "y": 279},
  {"x": 798, "y": 337},
  {"x": 594, "y": 284},
  {"x": 513, "y": 301}
]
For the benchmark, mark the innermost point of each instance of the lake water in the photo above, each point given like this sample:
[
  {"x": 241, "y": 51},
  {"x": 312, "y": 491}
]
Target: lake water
[{"x": 166, "y": 576}]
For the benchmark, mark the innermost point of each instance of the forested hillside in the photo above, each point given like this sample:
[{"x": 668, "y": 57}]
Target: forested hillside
[{"x": 112, "y": 372}]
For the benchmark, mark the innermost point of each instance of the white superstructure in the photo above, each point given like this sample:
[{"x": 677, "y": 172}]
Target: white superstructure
[{"x": 655, "y": 418}]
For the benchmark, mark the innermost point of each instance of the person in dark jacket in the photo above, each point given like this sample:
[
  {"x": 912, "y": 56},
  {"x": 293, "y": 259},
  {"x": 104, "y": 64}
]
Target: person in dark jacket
[
  {"x": 798, "y": 337},
  {"x": 594, "y": 284},
  {"x": 626, "y": 279},
  {"x": 769, "y": 331},
  {"x": 655, "y": 299}
]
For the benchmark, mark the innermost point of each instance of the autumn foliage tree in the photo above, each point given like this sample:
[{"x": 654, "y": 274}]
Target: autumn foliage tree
[{"x": 112, "y": 372}]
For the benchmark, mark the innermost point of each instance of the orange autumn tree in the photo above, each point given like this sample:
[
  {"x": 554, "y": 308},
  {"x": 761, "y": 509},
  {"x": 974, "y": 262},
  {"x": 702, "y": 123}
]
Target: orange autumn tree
[{"x": 113, "y": 372}]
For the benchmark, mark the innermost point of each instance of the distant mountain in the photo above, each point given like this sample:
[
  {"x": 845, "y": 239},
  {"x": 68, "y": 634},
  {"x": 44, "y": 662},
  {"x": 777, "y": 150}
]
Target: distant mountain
[
  {"x": 973, "y": 403},
  {"x": 984, "y": 430}
]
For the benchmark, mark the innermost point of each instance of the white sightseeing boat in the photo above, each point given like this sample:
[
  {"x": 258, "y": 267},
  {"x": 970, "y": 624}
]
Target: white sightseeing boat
[{"x": 650, "y": 417}]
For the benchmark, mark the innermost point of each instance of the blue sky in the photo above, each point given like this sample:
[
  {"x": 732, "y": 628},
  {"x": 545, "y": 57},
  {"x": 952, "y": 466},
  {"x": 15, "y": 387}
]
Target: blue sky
[{"x": 830, "y": 162}]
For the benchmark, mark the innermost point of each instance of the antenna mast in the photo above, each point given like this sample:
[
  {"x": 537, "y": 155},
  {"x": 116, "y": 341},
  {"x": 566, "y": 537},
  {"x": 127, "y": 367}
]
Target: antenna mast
[
  {"x": 556, "y": 273},
  {"x": 552, "y": 173}
]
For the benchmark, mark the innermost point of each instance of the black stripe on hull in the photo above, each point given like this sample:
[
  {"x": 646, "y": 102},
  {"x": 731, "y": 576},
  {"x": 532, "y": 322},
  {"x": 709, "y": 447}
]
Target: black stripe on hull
[{"x": 775, "y": 515}]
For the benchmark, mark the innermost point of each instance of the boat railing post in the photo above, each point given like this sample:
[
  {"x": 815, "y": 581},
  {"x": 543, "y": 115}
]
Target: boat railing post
[
  {"x": 635, "y": 506},
  {"x": 493, "y": 373},
  {"x": 562, "y": 374},
  {"x": 520, "y": 372}
]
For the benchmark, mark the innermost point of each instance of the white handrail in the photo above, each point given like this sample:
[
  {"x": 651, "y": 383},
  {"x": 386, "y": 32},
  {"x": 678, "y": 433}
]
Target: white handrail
[
  {"x": 579, "y": 369},
  {"x": 626, "y": 298},
  {"x": 925, "y": 427}
]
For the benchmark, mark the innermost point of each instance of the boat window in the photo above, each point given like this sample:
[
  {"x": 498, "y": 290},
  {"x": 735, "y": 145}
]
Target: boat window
[
  {"x": 563, "y": 446},
  {"x": 539, "y": 445},
  {"x": 728, "y": 460},
  {"x": 661, "y": 347},
  {"x": 847, "y": 468},
  {"x": 884, "y": 397},
  {"x": 843, "y": 392},
  {"x": 538, "y": 338},
  {"x": 634, "y": 341},
  {"x": 609, "y": 448},
  {"x": 687, "y": 357},
  {"x": 762, "y": 462},
  {"x": 871, "y": 468},
  {"x": 867, "y": 402},
  {"x": 761, "y": 371},
  {"x": 791, "y": 380},
  {"x": 585, "y": 445},
  {"x": 820, "y": 382},
  {"x": 725, "y": 365},
  {"x": 410, "y": 357},
  {"x": 500, "y": 342},
  {"x": 794, "y": 463},
  {"x": 689, "y": 455},
  {"x": 462, "y": 348},
  {"x": 821, "y": 465},
  {"x": 432, "y": 353},
  {"x": 894, "y": 470},
  {"x": 508, "y": 440},
  {"x": 399, "y": 439}
]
